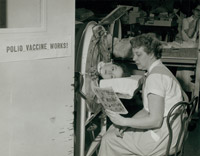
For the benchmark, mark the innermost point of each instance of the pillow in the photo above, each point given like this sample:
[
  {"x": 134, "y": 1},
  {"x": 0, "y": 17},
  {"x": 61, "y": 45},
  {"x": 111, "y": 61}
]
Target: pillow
[{"x": 124, "y": 87}]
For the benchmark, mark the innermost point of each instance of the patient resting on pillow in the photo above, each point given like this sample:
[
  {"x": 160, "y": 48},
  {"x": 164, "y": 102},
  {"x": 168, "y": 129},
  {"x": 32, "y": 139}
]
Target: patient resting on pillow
[{"x": 117, "y": 76}]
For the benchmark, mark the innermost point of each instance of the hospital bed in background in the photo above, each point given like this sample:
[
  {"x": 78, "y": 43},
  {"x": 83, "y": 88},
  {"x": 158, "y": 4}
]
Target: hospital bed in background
[{"x": 93, "y": 44}]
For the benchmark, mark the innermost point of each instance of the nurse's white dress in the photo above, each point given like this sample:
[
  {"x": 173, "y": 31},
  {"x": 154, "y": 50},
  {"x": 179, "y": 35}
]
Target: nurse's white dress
[{"x": 159, "y": 81}]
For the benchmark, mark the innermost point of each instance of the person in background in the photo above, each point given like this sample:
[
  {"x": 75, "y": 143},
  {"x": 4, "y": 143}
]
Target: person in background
[
  {"x": 190, "y": 31},
  {"x": 180, "y": 16},
  {"x": 145, "y": 133},
  {"x": 190, "y": 26}
]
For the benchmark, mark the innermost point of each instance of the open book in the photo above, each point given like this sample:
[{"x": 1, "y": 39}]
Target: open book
[{"x": 108, "y": 98}]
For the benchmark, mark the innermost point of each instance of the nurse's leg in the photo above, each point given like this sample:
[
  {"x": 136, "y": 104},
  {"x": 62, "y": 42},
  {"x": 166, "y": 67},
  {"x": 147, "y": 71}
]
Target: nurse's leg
[{"x": 111, "y": 145}]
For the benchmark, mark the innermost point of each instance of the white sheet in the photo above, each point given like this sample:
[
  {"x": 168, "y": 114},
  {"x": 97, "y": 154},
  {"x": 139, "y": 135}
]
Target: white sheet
[{"x": 124, "y": 87}]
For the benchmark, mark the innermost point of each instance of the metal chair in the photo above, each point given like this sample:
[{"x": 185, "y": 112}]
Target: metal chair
[{"x": 184, "y": 110}]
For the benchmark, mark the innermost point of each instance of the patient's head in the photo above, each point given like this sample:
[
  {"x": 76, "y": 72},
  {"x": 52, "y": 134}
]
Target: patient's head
[{"x": 113, "y": 70}]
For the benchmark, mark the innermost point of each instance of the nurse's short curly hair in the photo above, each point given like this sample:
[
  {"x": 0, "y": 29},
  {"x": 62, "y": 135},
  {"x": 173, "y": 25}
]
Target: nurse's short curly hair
[{"x": 150, "y": 43}]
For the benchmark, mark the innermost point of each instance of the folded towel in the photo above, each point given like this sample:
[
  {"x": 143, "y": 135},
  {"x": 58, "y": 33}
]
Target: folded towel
[{"x": 124, "y": 87}]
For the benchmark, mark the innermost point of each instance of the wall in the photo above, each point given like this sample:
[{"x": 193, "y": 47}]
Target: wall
[{"x": 36, "y": 96}]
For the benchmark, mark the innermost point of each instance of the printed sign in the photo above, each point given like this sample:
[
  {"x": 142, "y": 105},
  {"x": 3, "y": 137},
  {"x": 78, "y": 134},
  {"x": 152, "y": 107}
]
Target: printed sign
[{"x": 30, "y": 48}]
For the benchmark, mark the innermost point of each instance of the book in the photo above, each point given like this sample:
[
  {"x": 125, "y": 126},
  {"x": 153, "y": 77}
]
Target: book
[{"x": 109, "y": 99}]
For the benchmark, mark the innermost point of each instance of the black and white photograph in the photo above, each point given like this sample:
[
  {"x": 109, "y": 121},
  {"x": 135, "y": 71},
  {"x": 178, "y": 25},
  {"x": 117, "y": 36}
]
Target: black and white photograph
[
  {"x": 158, "y": 42},
  {"x": 99, "y": 77}
]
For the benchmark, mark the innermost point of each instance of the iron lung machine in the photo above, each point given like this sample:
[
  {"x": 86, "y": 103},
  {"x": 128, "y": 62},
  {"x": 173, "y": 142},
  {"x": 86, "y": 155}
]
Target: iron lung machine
[{"x": 93, "y": 44}]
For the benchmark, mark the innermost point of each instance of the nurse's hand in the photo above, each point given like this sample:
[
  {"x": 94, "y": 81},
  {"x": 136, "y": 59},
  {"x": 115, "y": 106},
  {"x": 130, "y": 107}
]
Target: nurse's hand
[{"x": 115, "y": 118}]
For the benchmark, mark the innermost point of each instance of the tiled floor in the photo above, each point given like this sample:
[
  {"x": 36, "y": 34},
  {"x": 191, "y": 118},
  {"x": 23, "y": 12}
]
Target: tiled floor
[{"x": 192, "y": 145}]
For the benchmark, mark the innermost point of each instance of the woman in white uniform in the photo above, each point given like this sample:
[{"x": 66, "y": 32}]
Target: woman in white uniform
[
  {"x": 146, "y": 132},
  {"x": 190, "y": 31}
]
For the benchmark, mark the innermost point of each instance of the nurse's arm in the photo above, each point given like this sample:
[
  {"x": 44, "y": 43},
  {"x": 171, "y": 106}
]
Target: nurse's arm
[
  {"x": 141, "y": 113},
  {"x": 149, "y": 120}
]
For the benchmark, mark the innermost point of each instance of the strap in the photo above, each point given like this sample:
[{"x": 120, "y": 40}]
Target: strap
[{"x": 161, "y": 69}]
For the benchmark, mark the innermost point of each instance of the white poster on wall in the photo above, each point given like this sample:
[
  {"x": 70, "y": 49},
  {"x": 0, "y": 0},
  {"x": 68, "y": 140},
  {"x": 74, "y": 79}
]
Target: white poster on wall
[{"x": 31, "y": 48}]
